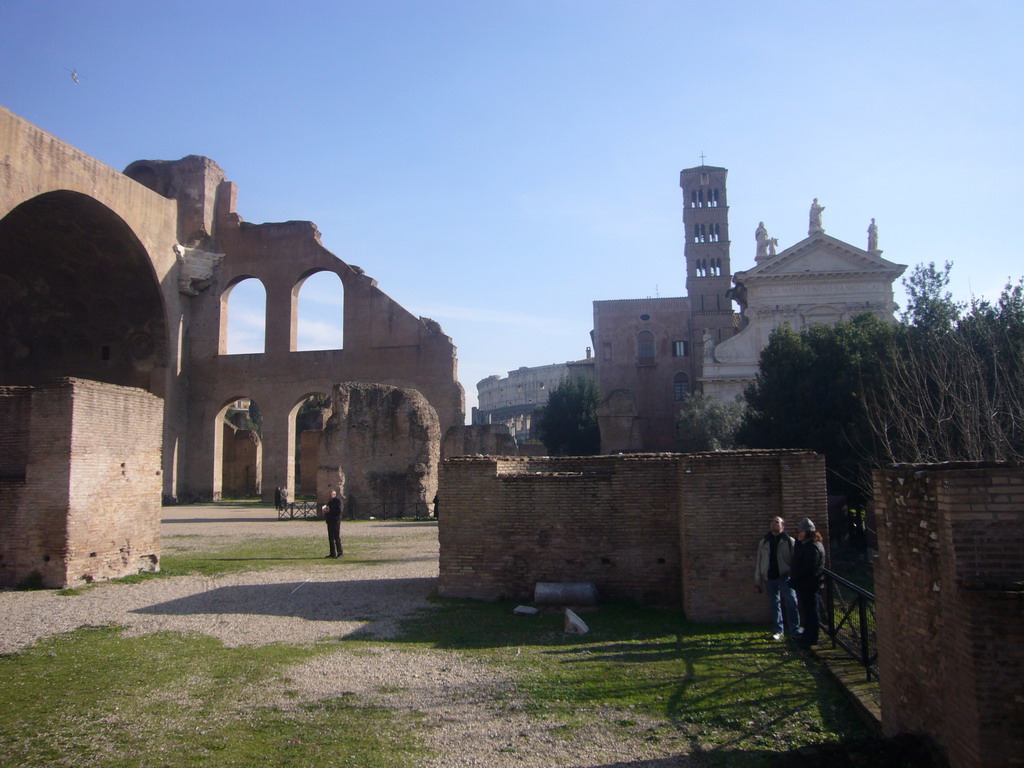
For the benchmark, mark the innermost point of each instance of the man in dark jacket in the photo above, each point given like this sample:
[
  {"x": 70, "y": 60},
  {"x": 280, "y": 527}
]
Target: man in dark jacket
[
  {"x": 332, "y": 514},
  {"x": 771, "y": 570},
  {"x": 807, "y": 570}
]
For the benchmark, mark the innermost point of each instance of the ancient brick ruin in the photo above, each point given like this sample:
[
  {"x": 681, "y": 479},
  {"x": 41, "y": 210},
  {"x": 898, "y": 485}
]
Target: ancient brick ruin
[
  {"x": 950, "y": 588},
  {"x": 380, "y": 450},
  {"x": 80, "y": 482},
  {"x": 124, "y": 279},
  {"x": 666, "y": 529}
]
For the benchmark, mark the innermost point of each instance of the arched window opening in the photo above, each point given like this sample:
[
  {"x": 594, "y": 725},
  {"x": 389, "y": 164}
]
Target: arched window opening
[
  {"x": 696, "y": 233},
  {"x": 681, "y": 386},
  {"x": 244, "y": 318},
  {"x": 310, "y": 418},
  {"x": 320, "y": 299},
  {"x": 241, "y": 425},
  {"x": 693, "y": 198},
  {"x": 700, "y": 199},
  {"x": 645, "y": 346}
]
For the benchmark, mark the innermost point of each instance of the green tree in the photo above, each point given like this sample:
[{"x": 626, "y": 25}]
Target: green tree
[
  {"x": 930, "y": 307},
  {"x": 705, "y": 424},
  {"x": 810, "y": 393},
  {"x": 568, "y": 423}
]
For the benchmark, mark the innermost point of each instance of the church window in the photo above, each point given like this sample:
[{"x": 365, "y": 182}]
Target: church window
[
  {"x": 606, "y": 350},
  {"x": 696, "y": 233},
  {"x": 700, "y": 198},
  {"x": 693, "y": 198},
  {"x": 681, "y": 386},
  {"x": 704, "y": 179},
  {"x": 715, "y": 203},
  {"x": 680, "y": 349},
  {"x": 645, "y": 346}
]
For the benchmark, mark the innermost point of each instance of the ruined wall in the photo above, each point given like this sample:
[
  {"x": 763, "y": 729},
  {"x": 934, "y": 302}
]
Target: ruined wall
[
  {"x": 380, "y": 449},
  {"x": 507, "y": 523},
  {"x": 310, "y": 453},
  {"x": 727, "y": 499},
  {"x": 655, "y": 528},
  {"x": 88, "y": 506},
  {"x": 951, "y": 608},
  {"x": 483, "y": 439},
  {"x": 242, "y": 463},
  {"x": 382, "y": 343}
]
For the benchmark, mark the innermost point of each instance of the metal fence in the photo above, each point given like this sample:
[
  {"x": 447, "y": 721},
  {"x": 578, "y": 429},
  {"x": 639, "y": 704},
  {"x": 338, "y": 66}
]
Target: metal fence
[
  {"x": 850, "y": 621},
  {"x": 298, "y": 509}
]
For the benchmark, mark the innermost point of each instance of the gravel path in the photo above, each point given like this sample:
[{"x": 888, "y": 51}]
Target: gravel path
[{"x": 328, "y": 600}]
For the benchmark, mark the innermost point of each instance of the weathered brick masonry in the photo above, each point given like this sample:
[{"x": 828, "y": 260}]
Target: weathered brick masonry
[
  {"x": 663, "y": 529},
  {"x": 80, "y": 492},
  {"x": 951, "y": 609}
]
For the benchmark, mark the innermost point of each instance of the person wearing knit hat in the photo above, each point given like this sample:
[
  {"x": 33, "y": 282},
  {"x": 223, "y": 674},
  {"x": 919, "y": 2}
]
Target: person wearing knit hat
[{"x": 807, "y": 569}]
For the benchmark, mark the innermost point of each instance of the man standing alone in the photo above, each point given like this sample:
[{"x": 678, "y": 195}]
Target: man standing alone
[
  {"x": 332, "y": 514},
  {"x": 774, "y": 553}
]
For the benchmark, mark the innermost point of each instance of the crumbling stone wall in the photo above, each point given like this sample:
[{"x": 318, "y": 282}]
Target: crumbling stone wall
[
  {"x": 482, "y": 439},
  {"x": 85, "y": 503},
  {"x": 950, "y": 608},
  {"x": 665, "y": 529},
  {"x": 243, "y": 463},
  {"x": 380, "y": 449}
]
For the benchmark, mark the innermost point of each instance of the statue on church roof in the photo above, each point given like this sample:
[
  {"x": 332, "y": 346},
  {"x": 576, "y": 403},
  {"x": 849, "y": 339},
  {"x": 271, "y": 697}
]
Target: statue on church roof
[
  {"x": 872, "y": 236},
  {"x": 815, "y": 224},
  {"x": 709, "y": 346},
  {"x": 761, "y": 236}
]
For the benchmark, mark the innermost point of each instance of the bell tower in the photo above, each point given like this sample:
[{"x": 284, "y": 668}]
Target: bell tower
[
  {"x": 708, "y": 271},
  {"x": 706, "y": 224}
]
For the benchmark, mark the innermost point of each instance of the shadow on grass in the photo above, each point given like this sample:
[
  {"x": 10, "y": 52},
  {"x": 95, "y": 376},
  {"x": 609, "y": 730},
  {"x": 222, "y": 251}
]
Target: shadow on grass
[{"x": 736, "y": 698}]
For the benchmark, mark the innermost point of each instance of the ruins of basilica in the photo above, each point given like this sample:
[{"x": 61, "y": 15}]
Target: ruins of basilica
[{"x": 114, "y": 372}]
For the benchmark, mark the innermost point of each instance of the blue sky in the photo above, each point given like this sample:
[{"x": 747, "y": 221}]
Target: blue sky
[{"x": 498, "y": 166}]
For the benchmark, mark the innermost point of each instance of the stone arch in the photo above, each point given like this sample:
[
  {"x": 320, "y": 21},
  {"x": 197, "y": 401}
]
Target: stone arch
[
  {"x": 79, "y": 296},
  {"x": 303, "y": 449},
  {"x": 331, "y": 318},
  {"x": 224, "y": 342},
  {"x": 226, "y": 457}
]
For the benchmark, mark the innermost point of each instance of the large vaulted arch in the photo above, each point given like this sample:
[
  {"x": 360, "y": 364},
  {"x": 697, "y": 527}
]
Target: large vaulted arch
[{"x": 78, "y": 296}]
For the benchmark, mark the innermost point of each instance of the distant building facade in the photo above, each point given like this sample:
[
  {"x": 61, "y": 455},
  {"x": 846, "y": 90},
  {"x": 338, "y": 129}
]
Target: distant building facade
[
  {"x": 515, "y": 399},
  {"x": 512, "y": 400}
]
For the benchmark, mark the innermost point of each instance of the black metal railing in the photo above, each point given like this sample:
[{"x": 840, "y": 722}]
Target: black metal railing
[
  {"x": 298, "y": 509},
  {"x": 850, "y": 617}
]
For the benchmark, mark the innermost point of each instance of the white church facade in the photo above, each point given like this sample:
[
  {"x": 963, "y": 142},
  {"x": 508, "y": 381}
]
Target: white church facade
[{"x": 818, "y": 280}]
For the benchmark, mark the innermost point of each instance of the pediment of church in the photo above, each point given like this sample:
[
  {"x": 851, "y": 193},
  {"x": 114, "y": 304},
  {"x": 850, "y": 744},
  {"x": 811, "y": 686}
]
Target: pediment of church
[{"x": 818, "y": 255}]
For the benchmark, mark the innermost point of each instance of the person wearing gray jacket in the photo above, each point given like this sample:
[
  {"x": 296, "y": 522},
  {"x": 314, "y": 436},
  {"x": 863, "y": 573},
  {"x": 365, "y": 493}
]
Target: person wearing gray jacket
[{"x": 771, "y": 575}]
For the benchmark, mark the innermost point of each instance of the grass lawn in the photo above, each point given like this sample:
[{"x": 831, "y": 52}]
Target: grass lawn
[{"x": 94, "y": 697}]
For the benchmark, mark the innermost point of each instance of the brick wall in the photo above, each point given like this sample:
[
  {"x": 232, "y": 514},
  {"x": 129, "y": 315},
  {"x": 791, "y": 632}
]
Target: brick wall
[
  {"x": 640, "y": 526},
  {"x": 727, "y": 500},
  {"x": 950, "y": 608},
  {"x": 89, "y": 505},
  {"x": 241, "y": 464}
]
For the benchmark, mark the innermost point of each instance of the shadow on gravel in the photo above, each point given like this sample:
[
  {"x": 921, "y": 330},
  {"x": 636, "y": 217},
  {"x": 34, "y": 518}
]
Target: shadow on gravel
[
  {"x": 313, "y": 600},
  {"x": 190, "y": 520}
]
